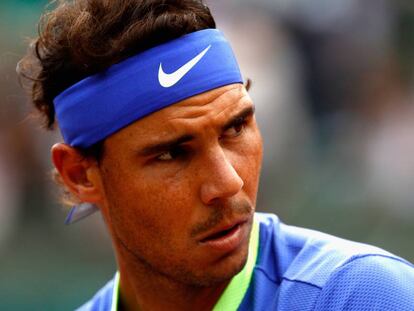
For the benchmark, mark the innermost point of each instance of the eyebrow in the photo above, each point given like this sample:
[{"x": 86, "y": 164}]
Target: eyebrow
[{"x": 168, "y": 145}]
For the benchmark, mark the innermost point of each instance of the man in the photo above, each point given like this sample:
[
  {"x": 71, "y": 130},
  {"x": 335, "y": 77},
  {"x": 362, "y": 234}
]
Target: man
[{"x": 160, "y": 136}]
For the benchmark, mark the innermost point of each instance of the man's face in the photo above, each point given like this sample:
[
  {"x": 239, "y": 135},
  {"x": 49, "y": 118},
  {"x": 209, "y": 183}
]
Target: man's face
[{"x": 180, "y": 186}]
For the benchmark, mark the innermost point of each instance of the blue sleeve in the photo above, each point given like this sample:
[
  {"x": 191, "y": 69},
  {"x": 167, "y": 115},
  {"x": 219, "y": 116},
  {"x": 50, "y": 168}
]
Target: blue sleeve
[{"x": 372, "y": 282}]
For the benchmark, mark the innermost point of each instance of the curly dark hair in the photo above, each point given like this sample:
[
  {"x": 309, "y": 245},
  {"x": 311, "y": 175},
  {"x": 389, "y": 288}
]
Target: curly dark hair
[
  {"x": 79, "y": 38},
  {"x": 82, "y": 37}
]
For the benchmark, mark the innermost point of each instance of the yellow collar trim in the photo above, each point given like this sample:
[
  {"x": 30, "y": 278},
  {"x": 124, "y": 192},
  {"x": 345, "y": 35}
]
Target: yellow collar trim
[{"x": 234, "y": 293}]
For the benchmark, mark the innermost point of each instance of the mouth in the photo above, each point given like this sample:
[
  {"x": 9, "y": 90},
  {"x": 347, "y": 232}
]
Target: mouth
[
  {"x": 221, "y": 234},
  {"x": 227, "y": 237}
]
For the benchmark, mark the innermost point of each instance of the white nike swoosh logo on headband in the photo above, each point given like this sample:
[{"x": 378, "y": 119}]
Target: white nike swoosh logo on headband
[{"x": 170, "y": 79}]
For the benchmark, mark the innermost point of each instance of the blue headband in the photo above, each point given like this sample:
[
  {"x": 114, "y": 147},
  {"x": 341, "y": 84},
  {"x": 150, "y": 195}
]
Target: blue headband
[{"x": 102, "y": 104}]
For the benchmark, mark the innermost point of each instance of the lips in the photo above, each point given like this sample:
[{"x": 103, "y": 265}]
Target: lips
[
  {"x": 221, "y": 232},
  {"x": 226, "y": 237}
]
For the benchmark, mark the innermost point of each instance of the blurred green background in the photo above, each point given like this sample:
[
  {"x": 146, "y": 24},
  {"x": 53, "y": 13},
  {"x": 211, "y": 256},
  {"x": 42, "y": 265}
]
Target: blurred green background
[{"x": 333, "y": 85}]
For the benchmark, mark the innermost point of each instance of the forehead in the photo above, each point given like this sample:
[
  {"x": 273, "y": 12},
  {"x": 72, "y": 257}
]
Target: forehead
[{"x": 211, "y": 108}]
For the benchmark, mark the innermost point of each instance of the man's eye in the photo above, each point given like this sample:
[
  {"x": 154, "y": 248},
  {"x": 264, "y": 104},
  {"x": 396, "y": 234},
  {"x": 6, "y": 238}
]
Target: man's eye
[
  {"x": 235, "y": 130},
  {"x": 171, "y": 154},
  {"x": 166, "y": 156}
]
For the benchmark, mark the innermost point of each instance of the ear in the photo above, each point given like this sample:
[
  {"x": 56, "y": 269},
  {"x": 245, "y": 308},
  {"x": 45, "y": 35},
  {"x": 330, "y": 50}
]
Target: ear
[{"x": 80, "y": 175}]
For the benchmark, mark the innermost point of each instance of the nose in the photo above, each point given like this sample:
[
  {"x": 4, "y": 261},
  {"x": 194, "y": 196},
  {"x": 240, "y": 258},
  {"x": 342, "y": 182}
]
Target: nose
[{"x": 221, "y": 180}]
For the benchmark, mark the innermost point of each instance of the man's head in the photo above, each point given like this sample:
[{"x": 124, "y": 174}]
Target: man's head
[{"x": 177, "y": 188}]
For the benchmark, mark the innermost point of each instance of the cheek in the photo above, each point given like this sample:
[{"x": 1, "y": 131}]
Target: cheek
[{"x": 144, "y": 204}]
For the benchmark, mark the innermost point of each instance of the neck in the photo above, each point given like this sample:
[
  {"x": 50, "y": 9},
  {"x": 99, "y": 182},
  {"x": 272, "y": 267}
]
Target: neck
[{"x": 142, "y": 289}]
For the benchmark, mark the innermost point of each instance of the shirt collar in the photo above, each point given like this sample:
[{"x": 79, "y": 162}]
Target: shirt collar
[{"x": 237, "y": 288}]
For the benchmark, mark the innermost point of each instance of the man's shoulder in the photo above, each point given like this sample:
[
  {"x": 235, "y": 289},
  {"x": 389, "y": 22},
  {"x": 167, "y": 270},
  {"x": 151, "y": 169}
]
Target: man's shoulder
[
  {"x": 331, "y": 269},
  {"x": 309, "y": 255},
  {"x": 369, "y": 282}
]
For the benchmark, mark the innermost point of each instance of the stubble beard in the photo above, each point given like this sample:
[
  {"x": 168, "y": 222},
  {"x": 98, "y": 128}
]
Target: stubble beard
[{"x": 179, "y": 271}]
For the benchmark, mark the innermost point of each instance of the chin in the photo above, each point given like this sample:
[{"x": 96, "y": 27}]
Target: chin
[{"x": 224, "y": 269}]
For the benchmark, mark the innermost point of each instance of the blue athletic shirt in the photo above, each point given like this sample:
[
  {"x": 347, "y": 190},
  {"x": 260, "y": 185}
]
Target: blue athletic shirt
[{"x": 300, "y": 269}]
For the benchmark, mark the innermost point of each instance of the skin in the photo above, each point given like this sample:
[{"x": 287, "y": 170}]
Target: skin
[{"x": 160, "y": 204}]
